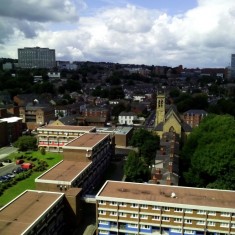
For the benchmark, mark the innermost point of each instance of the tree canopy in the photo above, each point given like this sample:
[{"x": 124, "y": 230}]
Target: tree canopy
[
  {"x": 208, "y": 156},
  {"x": 25, "y": 143},
  {"x": 137, "y": 165}
]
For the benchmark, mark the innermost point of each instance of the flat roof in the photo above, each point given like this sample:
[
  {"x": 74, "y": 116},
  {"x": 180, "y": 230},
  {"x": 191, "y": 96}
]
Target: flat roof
[
  {"x": 63, "y": 172},
  {"x": 11, "y": 119},
  {"x": 67, "y": 128},
  {"x": 86, "y": 141},
  {"x": 164, "y": 194},
  {"x": 121, "y": 130},
  {"x": 22, "y": 212}
]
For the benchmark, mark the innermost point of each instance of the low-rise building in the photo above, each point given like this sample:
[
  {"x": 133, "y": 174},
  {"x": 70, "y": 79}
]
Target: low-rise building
[
  {"x": 194, "y": 116},
  {"x": 127, "y": 118},
  {"x": 134, "y": 208}
]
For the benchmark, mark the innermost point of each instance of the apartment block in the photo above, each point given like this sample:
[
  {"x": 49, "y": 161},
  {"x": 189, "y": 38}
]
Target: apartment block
[
  {"x": 36, "y": 57},
  {"x": 53, "y": 138},
  {"x": 33, "y": 212},
  {"x": 135, "y": 208},
  {"x": 85, "y": 159}
]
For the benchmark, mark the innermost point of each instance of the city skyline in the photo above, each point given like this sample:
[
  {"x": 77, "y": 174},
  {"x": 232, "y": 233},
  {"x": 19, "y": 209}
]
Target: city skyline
[{"x": 194, "y": 33}]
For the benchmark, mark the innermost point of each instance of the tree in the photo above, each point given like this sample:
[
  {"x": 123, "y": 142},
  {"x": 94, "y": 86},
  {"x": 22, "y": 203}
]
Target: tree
[
  {"x": 147, "y": 144},
  {"x": 25, "y": 143},
  {"x": 207, "y": 158},
  {"x": 135, "y": 168}
]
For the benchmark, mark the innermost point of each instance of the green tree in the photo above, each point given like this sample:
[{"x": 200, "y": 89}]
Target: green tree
[
  {"x": 207, "y": 158},
  {"x": 25, "y": 143},
  {"x": 135, "y": 168}
]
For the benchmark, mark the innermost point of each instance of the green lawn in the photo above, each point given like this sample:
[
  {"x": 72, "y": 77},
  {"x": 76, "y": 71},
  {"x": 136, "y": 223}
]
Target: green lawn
[{"x": 21, "y": 186}]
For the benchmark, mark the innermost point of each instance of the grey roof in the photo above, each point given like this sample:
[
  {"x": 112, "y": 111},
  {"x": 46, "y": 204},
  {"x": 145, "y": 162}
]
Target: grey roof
[
  {"x": 69, "y": 120},
  {"x": 127, "y": 114},
  {"x": 196, "y": 111},
  {"x": 159, "y": 127},
  {"x": 186, "y": 127}
]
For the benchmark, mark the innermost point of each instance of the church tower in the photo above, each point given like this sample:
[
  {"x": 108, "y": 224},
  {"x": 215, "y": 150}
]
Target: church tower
[{"x": 160, "y": 108}]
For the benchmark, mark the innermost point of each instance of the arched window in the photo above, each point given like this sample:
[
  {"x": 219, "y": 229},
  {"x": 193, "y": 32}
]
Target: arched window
[{"x": 172, "y": 129}]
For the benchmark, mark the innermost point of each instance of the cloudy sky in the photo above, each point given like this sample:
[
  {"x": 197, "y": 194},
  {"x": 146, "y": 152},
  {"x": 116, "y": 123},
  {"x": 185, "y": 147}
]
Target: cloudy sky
[{"x": 194, "y": 33}]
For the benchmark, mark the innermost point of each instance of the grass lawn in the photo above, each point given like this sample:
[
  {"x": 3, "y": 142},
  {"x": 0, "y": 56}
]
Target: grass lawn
[{"x": 21, "y": 186}]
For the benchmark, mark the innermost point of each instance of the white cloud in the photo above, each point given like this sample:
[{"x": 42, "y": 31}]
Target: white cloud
[{"x": 203, "y": 36}]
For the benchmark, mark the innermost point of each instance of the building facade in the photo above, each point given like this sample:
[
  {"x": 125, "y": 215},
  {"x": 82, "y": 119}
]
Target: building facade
[
  {"x": 134, "y": 208},
  {"x": 232, "y": 72},
  {"x": 53, "y": 138},
  {"x": 194, "y": 116},
  {"x": 36, "y": 57},
  {"x": 127, "y": 118}
]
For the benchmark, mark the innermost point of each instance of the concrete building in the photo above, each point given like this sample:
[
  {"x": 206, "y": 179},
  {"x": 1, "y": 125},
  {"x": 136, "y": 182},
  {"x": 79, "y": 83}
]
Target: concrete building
[
  {"x": 10, "y": 129},
  {"x": 134, "y": 208},
  {"x": 53, "y": 138},
  {"x": 33, "y": 212},
  {"x": 232, "y": 71},
  {"x": 122, "y": 134},
  {"x": 36, "y": 57}
]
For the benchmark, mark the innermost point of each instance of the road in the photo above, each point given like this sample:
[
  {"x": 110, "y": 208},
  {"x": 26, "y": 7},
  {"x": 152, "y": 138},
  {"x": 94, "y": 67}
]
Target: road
[
  {"x": 7, "y": 168},
  {"x": 5, "y": 151}
]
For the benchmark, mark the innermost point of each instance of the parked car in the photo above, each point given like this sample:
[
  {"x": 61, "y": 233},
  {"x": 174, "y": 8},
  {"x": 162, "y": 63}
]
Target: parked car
[
  {"x": 17, "y": 170},
  {"x": 19, "y": 161},
  {"x": 4, "y": 178},
  {"x": 7, "y": 160},
  {"x": 26, "y": 166},
  {"x": 11, "y": 175}
]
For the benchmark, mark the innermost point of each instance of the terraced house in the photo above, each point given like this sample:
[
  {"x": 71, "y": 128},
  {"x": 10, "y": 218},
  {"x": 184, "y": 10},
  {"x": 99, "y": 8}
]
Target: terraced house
[{"x": 134, "y": 208}]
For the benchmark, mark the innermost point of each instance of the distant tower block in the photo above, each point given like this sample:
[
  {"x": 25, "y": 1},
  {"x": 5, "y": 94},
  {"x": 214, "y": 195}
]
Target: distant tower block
[{"x": 160, "y": 108}]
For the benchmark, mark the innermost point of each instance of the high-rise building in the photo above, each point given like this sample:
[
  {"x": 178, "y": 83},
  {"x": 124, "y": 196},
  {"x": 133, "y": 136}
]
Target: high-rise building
[
  {"x": 36, "y": 57},
  {"x": 233, "y": 66}
]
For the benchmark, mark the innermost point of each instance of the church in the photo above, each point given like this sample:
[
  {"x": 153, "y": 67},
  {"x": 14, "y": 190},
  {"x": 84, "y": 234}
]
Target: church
[{"x": 169, "y": 119}]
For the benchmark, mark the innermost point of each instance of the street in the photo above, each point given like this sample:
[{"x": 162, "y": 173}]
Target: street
[{"x": 5, "y": 151}]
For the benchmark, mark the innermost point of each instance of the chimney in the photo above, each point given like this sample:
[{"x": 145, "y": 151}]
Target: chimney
[{"x": 158, "y": 174}]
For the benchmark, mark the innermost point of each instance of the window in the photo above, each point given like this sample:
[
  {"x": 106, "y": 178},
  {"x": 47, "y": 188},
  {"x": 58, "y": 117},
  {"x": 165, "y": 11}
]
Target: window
[
  {"x": 143, "y": 216},
  {"x": 212, "y": 213},
  {"x": 224, "y": 225},
  {"x": 201, "y": 222},
  {"x": 164, "y": 218},
  {"x": 134, "y": 216},
  {"x": 232, "y": 225},
  {"x": 113, "y": 203},
  {"x": 132, "y": 225},
  {"x": 188, "y": 221},
  {"x": 122, "y": 204},
  {"x": 211, "y": 223},
  {"x": 113, "y": 213},
  {"x": 134, "y": 205},
  {"x": 188, "y": 231},
  {"x": 176, "y": 230},
  {"x": 103, "y": 222},
  {"x": 178, "y": 220},
  {"x": 225, "y": 214},
  {"x": 102, "y": 212},
  {"x": 156, "y": 217},
  {"x": 143, "y": 206},
  {"x": 156, "y": 208},
  {"x": 165, "y": 208},
  {"x": 189, "y": 211},
  {"x": 201, "y": 212},
  {"x": 145, "y": 226},
  {"x": 101, "y": 202},
  {"x": 122, "y": 214},
  {"x": 103, "y": 232},
  {"x": 178, "y": 210}
]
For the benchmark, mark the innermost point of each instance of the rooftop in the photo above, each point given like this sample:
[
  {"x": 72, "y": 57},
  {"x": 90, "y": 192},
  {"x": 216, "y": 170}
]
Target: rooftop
[
  {"x": 67, "y": 128},
  {"x": 18, "y": 215},
  {"x": 87, "y": 140},
  {"x": 117, "y": 130},
  {"x": 163, "y": 194},
  {"x": 63, "y": 172}
]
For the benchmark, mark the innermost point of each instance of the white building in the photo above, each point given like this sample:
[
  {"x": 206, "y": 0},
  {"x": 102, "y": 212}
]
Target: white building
[{"x": 126, "y": 118}]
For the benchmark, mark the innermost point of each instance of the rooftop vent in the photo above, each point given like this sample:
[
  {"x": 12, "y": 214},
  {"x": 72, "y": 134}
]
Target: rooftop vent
[{"x": 173, "y": 195}]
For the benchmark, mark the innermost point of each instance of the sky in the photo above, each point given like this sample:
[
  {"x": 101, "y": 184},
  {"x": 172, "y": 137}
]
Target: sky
[{"x": 192, "y": 33}]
